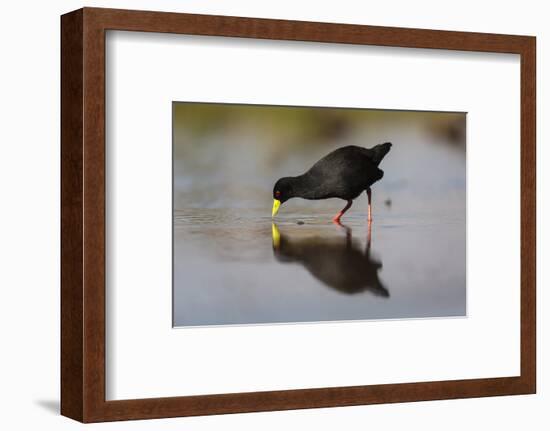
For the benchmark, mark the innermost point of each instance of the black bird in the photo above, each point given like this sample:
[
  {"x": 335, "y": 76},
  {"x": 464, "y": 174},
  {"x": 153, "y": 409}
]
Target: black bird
[
  {"x": 345, "y": 173},
  {"x": 339, "y": 263}
]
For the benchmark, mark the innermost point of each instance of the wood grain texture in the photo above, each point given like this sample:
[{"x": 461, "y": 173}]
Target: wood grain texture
[
  {"x": 83, "y": 214},
  {"x": 212, "y": 25},
  {"x": 94, "y": 216},
  {"x": 72, "y": 304},
  {"x": 528, "y": 216}
]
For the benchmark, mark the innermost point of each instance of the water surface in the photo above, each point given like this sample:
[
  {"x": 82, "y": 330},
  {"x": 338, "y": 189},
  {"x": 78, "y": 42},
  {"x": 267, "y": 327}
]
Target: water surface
[{"x": 315, "y": 271}]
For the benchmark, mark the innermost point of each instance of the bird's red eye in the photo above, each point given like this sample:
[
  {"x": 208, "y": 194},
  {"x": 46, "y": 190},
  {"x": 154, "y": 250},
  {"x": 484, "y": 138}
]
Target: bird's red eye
[{"x": 277, "y": 193}]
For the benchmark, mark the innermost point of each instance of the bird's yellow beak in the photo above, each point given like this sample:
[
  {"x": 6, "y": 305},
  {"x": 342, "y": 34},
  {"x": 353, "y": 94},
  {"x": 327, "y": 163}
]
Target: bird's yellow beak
[
  {"x": 276, "y": 236},
  {"x": 276, "y": 205}
]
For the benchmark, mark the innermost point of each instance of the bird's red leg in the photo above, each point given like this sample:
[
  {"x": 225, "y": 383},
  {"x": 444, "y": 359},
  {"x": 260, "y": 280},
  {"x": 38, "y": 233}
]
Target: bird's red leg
[
  {"x": 369, "y": 213},
  {"x": 336, "y": 218}
]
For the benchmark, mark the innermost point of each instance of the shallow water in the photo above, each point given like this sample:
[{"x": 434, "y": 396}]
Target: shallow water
[{"x": 315, "y": 271}]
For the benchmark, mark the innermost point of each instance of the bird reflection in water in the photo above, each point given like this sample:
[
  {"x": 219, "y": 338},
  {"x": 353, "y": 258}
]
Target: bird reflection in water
[{"x": 340, "y": 263}]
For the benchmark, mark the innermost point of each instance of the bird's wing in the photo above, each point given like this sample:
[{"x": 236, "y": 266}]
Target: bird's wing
[{"x": 344, "y": 173}]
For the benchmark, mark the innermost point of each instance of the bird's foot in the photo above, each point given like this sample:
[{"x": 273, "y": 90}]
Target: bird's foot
[{"x": 337, "y": 217}]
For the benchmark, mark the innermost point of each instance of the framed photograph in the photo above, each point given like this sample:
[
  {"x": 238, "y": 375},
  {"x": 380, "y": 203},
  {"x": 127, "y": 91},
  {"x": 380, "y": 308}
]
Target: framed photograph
[{"x": 267, "y": 215}]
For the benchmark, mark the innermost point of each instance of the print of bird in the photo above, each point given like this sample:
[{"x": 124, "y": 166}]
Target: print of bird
[{"x": 344, "y": 173}]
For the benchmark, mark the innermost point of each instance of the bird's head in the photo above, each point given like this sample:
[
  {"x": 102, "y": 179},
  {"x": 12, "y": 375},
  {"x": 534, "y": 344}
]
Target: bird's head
[{"x": 282, "y": 191}]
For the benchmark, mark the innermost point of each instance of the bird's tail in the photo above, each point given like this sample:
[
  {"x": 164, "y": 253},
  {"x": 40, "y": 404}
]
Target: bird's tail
[{"x": 379, "y": 152}]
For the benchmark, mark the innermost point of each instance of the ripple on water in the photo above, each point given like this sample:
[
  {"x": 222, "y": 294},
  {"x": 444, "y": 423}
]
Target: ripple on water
[{"x": 255, "y": 218}]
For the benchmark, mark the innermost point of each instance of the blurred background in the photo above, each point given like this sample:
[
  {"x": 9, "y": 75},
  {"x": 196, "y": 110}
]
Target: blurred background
[{"x": 233, "y": 266}]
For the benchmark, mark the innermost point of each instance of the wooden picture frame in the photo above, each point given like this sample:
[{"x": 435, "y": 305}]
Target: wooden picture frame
[{"x": 83, "y": 214}]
